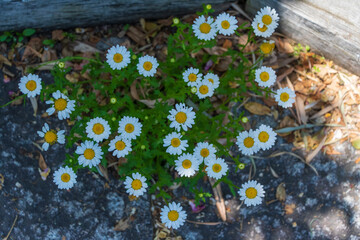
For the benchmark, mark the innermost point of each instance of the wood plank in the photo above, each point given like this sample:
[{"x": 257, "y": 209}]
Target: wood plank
[
  {"x": 329, "y": 27},
  {"x": 17, "y": 15}
]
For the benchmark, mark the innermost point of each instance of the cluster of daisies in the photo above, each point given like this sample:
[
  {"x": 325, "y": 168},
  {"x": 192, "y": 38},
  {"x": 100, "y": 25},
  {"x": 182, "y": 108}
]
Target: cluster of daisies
[
  {"x": 203, "y": 87},
  {"x": 264, "y": 24}
]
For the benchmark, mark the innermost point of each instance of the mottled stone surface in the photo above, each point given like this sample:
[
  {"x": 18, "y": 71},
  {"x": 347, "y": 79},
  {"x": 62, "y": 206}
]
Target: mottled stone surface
[{"x": 88, "y": 211}]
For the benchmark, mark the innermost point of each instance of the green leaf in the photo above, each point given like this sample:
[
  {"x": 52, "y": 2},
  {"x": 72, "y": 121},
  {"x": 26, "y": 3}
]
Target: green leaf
[
  {"x": 3, "y": 37},
  {"x": 48, "y": 42},
  {"x": 28, "y": 32},
  {"x": 356, "y": 144}
]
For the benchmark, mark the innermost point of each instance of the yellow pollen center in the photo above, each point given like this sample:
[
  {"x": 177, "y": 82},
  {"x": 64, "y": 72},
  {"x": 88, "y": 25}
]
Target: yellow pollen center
[
  {"x": 211, "y": 80},
  {"x": 173, "y": 215},
  {"x": 216, "y": 167},
  {"x": 175, "y": 142},
  {"x": 225, "y": 24},
  {"x": 129, "y": 128},
  {"x": 248, "y": 142},
  {"x": 263, "y": 137},
  {"x": 65, "y": 177},
  {"x": 50, "y": 137},
  {"x": 192, "y": 77},
  {"x": 266, "y": 19},
  {"x": 98, "y": 128},
  {"x": 204, "y": 152},
  {"x": 263, "y": 29},
  {"x": 89, "y": 154},
  {"x": 284, "y": 97},
  {"x": 136, "y": 184},
  {"x": 60, "y": 104},
  {"x": 186, "y": 164},
  {"x": 205, "y": 28},
  {"x": 266, "y": 48},
  {"x": 120, "y": 145},
  {"x": 204, "y": 89},
  {"x": 180, "y": 117},
  {"x": 31, "y": 85},
  {"x": 147, "y": 66},
  {"x": 251, "y": 193},
  {"x": 118, "y": 58},
  {"x": 264, "y": 76}
]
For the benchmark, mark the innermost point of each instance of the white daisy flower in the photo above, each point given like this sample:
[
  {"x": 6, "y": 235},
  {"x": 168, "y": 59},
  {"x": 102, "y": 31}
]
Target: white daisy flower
[
  {"x": 192, "y": 76},
  {"x": 136, "y": 185},
  {"x": 216, "y": 168},
  {"x": 129, "y": 127},
  {"x": 267, "y": 16},
  {"x": 62, "y": 104},
  {"x": 181, "y": 117},
  {"x": 252, "y": 192},
  {"x": 204, "y": 29},
  {"x": 30, "y": 85},
  {"x": 98, "y": 129},
  {"x": 226, "y": 24},
  {"x": 147, "y": 66},
  {"x": 205, "y": 89},
  {"x": 213, "y": 79},
  {"x": 266, "y": 136},
  {"x": 285, "y": 97},
  {"x": 248, "y": 142},
  {"x": 204, "y": 151},
  {"x": 90, "y": 154},
  {"x": 118, "y": 57},
  {"x": 263, "y": 31},
  {"x": 65, "y": 177},
  {"x": 174, "y": 143},
  {"x": 173, "y": 215},
  {"x": 51, "y": 136},
  {"x": 122, "y": 146},
  {"x": 267, "y": 47},
  {"x": 265, "y": 76},
  {"x": 187, "y": 165}
]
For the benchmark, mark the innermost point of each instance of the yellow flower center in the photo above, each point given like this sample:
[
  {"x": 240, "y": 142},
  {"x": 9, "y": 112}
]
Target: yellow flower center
[
  {"x": 173, "y": 215},
  {"x": 60, "y": 104},
  {"x": 180, "y": 117},
  {"x": 186, "y": 164},
  {"x": 175, "y": 142},
  {"x": 89, "y": 153},
  {"x": 216, "y": 167},
  {"x": 31, "y": 85},
  {"x": 129, "y": 128},
  {"x": 264, "y": 76},
  {"x": 50, "y": 137},
  {"x": 204, "y": 89},
  {"x": 251, "y": 193},
  {"x": 192, "y": 77},
  {"x": 263, "y": 136},
  {"x": 136, "y": 184},
  {"x": 248, "y": 142},
  {"x": 284, "y": 97},
  {"x": 98, "y": 128},
  {"x": 120, "y": 145},
  {"x": 147, "y": 66},
  {"x": 204, "y": 152},
  {"x": 225, "y": 24},
  {"x": 263, "y": 29},
  {"x": 65, "y": 177},
  {"x": 266, "y": 19},
  {"x": 211, "y": 80},
  {"x": 267, "y": 48},
  {"x": 118, "y": 58},
  {"x": 205, "y": 28}
]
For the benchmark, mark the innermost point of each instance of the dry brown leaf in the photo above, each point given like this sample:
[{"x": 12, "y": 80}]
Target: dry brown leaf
[
  {"x": 281, "y": 192},
  {"x": 223, "y": 64},
  {"x": 220, "y": 203},
  {"x": 73, "y": 77},
  {"x": 257, "y": 108},
  {"x": 284, "y": 46},
  {"x": 300, "y": 108},
  {"x": 2, "y": 180},
  {"x": 42, "y": 163},
  {"x": 48, "y": 55},
  {"x": 33, "y": 46},
  {"x": 84, "y": 48},
  {"x": 122, "y": 225},
  {"x": 289, "y": 208},
  {"x": 311, "y": 155},
  {"x": 104, "y": 172},
  {"x": 136, "y": 35},
  {"x": 357, "y": 160},
  {"x": 57, "y": 35},
  {"x": 4, "y": 60},
  {"x": 227, "y": 44}
]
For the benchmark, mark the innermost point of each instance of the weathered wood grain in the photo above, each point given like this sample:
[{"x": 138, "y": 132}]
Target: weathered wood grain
[
  {"x": 20, "y": 14},
  {"x": 329, "y": 27}
]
